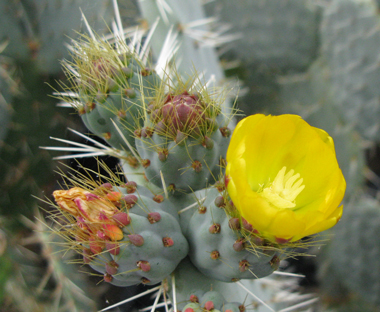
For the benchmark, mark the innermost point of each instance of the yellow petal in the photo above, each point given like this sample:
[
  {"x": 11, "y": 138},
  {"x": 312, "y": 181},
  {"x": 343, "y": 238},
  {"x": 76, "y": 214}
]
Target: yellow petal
[{"x": 262, "y": 146}]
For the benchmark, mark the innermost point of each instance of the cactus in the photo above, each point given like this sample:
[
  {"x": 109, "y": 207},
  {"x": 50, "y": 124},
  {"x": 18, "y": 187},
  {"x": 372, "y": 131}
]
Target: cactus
[
  {"x": 196, "y": 42},
  {"x": 186, "y": 136},
  {"x": 131, "y": 234},
  {"x": 37, "y": 30},
  {"x": 148, "y": 248},
  {"x": 39, "y": 280},
  {"x": 110, "y": 92},
  {"x": 224, "y": 254},
  {"x": 32, "y": 40},
  {"x": 281, "y": 36},
  {"x": 336, "y": 93},
  {"x": 209, "y": 301},
  {"x": 311, "y": 96},
  {"x": 350, "y": 53},
  {"x": 360, "y": 221},
  {"x": 170, "y": 127}
]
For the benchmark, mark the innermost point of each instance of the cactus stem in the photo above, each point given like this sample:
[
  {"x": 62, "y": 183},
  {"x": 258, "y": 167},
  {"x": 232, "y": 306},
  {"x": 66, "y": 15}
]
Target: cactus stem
[
  {"x": 130, "y": 93},
  {"x": 121, "y": 113},
  {"x": 132, "y": 161}
]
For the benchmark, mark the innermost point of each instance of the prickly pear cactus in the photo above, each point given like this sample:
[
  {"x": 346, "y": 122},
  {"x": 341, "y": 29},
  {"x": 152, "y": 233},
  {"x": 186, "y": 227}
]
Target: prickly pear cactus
[
  {"x": 361, "y": 223},
  {"x": 280, "y": 35},
  {"x": 146, "y": 250},
  {"x": 38, "y": 30},
  {"x": 113, "y": 91},
  {"x": 189, "y": 25},
  {"x": 212, "y": 300},
  {"x": 214, "y": 209},
  {"x": 133, "y": 234},
  {"x": 39, "y": 279},
  {"x": 350, "y": 52},
  {"x": 311, "y": 96},
  {"x": 225, "y": 248},
  {"x": 186, "y": 136}
]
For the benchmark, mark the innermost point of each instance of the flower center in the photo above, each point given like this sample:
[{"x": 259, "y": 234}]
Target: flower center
[{"x": 284, "y": 189}]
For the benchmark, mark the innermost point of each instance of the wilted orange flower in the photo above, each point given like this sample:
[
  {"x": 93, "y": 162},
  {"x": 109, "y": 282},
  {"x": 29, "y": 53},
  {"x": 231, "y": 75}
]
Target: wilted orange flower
[
  {"x": 93, "y": 212},
  {"x": 283, "y": 177}
]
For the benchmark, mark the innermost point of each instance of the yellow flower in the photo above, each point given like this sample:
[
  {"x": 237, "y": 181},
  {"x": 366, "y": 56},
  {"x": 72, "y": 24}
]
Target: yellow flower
[{"x": 283, "y": 177}]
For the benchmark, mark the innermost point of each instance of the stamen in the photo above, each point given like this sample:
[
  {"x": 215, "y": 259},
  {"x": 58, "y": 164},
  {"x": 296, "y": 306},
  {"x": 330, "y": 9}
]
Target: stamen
[{"x": 284, "y": 189}]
